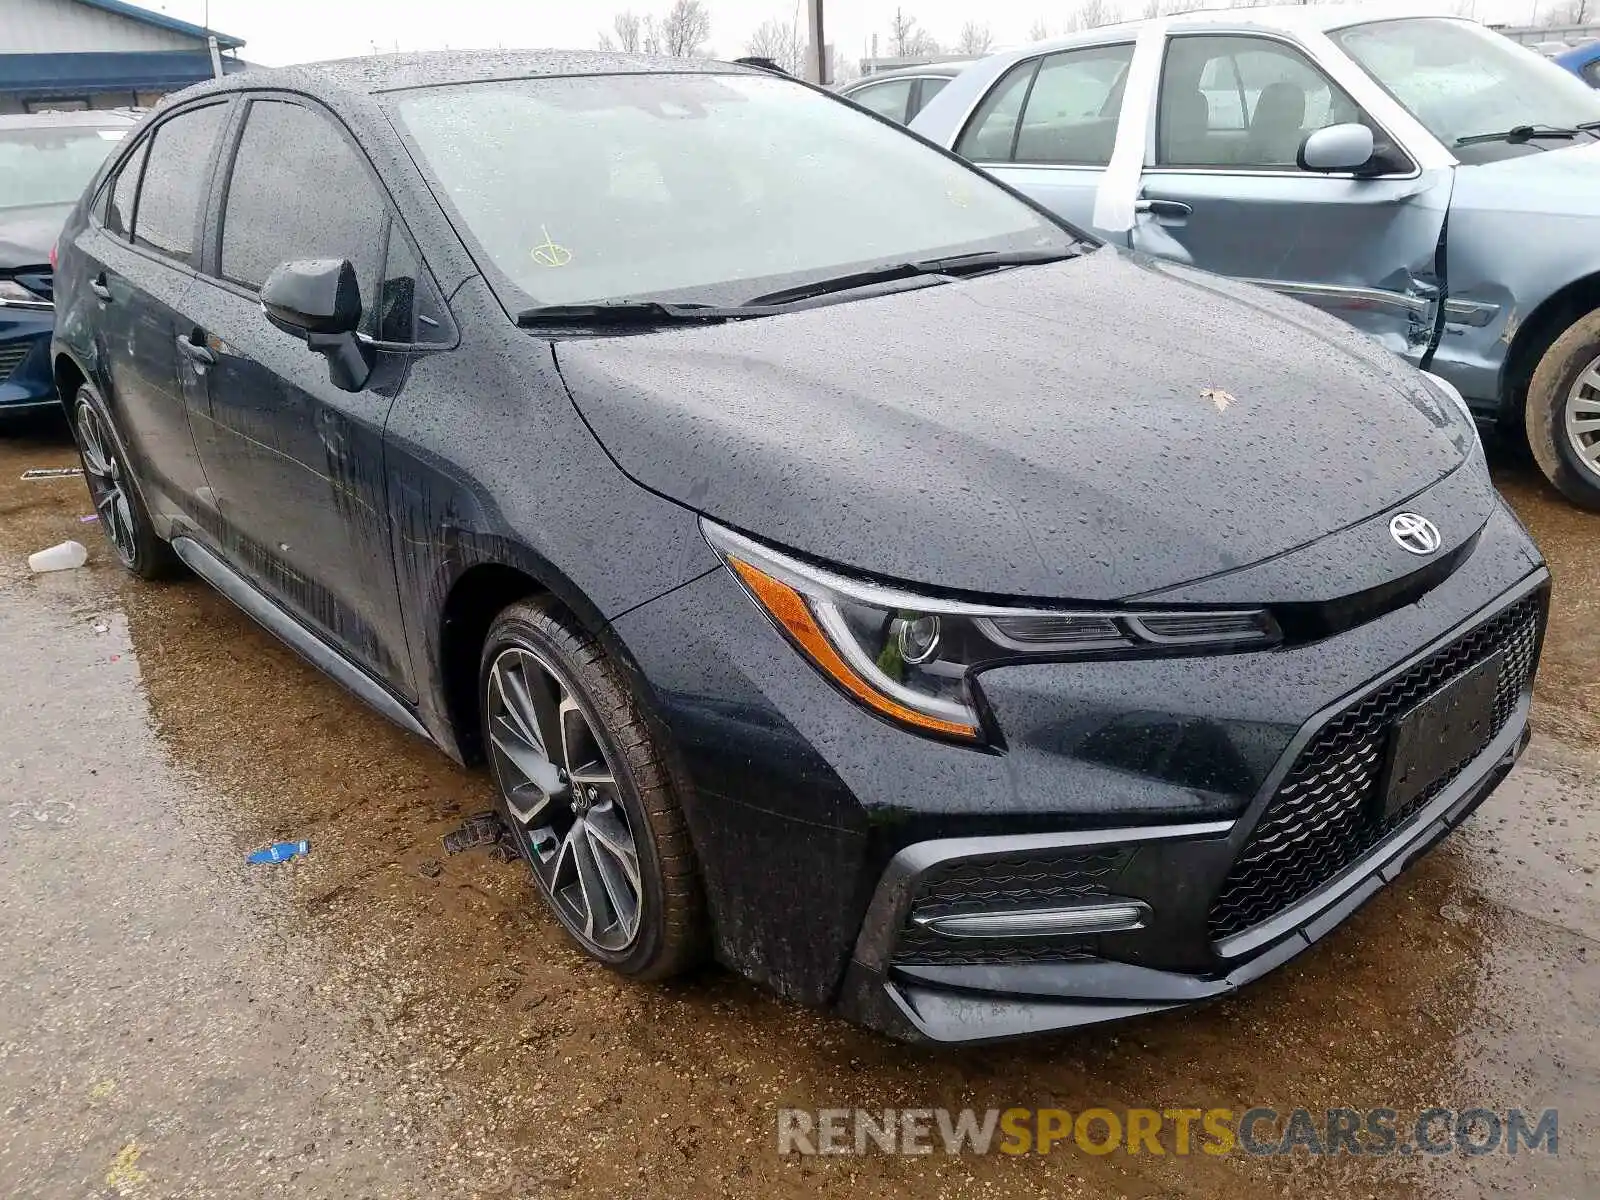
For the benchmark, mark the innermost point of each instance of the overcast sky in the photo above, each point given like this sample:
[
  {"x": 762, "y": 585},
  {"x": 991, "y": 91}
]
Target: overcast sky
[{"x": 278, "y": 32}]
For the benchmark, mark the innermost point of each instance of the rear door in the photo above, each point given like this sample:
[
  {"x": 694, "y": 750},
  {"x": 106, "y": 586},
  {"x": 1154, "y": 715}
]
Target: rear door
[
  {"x": 298, "y": 464},
  {"x": 1224, "y": 190},
  {"x": 142, "y": 248},
  {"x": 1048, "y": 126}
]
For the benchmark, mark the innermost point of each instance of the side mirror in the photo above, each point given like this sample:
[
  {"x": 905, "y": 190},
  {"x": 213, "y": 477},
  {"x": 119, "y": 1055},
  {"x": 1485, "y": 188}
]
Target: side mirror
[
  {"x": 319, "y": 301},
  {"x": 1337, "y": 148}
]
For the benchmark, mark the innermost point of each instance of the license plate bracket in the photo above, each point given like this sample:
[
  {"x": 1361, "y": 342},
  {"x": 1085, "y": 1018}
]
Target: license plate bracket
[{"x": 1438, "y": 734}]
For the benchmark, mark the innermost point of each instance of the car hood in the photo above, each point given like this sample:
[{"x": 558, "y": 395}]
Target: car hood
[
  {"x": 27, "y": 234},
  {"x": 1091, "y": 430},
  {"x": 1557, "y": 182}
]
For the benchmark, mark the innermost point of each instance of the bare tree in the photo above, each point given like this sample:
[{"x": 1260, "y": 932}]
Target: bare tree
[
  {"x": 1038, "y": 31},
  {"x": 650, "y": 36},
  {"x": 975, "y": 39},
  {"x": 1165, "y": 8},
  {"x": 907, "y": 40},
  {"x": 1091, "y": 14},
  {"x": 782, "y": 42},
  {"x": 629, "y": 27},
  {"x": 1572, "y": 12},
  {"x": 685, "y": 28}
]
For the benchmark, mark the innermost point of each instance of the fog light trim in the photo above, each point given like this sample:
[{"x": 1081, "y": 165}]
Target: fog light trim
[{"x": 1067, "y": 920}]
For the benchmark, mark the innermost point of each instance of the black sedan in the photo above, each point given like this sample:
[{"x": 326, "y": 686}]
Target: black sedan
[{"x": 882, "y": 588}]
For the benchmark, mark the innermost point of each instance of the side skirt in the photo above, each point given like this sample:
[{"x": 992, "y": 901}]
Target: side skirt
[{"x": 295, "y": 635}]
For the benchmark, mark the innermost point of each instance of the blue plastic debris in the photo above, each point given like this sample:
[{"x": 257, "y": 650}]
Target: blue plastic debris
[{"x": 282, "y": 852}]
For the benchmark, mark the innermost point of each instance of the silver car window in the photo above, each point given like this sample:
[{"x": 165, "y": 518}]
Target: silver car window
[{"x": 1243, "y": 102}]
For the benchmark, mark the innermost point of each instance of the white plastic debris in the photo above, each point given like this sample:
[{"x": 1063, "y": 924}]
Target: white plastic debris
[{"x": 64, "y": 557}]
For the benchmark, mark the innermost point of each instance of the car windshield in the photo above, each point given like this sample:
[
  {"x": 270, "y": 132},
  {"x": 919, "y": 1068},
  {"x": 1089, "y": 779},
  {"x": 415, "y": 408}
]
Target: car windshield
[
  {"x": 40, "y": 166},
  {"x": 1461, "y": 80},
  {"x": 710, "y": 187}
]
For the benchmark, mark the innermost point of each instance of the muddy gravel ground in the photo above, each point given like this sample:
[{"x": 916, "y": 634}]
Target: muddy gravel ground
[{"x": 174, "y": 1022}]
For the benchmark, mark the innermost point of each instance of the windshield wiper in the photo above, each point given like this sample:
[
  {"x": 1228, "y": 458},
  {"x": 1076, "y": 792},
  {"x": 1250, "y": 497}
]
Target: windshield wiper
[
  {"x": 954, "y": 264},
  {"x": 1519, "y": 134},
  {"x": 632, "y": 314}
]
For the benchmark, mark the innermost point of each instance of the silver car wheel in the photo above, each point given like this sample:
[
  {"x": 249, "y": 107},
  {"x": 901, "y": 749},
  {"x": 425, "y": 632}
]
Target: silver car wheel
[{"x": 1583, "y": 418}]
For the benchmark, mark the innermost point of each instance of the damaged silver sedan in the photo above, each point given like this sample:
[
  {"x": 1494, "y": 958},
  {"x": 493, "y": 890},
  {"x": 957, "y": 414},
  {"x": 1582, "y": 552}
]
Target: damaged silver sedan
[{"x": 1425, "y": 179}]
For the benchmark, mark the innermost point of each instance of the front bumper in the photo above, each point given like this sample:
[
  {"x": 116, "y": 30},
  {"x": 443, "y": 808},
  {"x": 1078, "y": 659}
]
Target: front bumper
[
  {"x": 804, "y": 808},
  {"x": 26, "y": 381},
  {"x": 1229, "y": 900}
]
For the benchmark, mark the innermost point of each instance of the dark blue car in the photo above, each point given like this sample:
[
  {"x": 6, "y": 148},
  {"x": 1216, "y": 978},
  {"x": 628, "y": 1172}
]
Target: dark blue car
[{"x": 46, "y": 159}]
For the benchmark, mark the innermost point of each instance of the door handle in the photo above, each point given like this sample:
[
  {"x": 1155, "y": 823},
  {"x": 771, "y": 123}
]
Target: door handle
[
  {"x": 1163, "y": 208},
  {"x": 196, "y": 352},
  {"x": 97, "y": 285}
]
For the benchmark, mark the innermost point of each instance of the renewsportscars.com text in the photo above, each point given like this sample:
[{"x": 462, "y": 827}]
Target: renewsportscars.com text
[{"x": 1176, "y": 1131}]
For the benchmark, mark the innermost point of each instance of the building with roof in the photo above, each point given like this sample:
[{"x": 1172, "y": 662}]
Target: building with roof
[{"x": 80, "y": 54}]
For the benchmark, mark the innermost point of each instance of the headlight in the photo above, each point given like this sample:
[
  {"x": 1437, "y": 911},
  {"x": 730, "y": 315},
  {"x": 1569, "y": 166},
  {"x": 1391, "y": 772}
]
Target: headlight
[
  {"x": 13, "y": 293},
  {"x": 910, "y": 658},
  {"x": 1453, "y": 394}
]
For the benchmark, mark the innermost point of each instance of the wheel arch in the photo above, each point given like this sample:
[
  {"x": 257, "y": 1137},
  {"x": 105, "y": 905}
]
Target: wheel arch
[
  {"x": 1536, "y": 334},
  {"x": 485, "y": 576},
  {"x": 69, "y": 376}
]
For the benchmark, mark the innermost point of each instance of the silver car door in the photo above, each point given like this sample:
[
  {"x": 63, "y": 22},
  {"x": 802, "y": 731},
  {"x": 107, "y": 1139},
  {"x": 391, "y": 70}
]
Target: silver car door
[{"x": 1225, "y": 190}]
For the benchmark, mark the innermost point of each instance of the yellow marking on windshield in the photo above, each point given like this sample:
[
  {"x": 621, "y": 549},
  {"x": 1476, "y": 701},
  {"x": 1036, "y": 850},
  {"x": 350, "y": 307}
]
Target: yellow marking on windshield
[{"x": 548, "y": 254}]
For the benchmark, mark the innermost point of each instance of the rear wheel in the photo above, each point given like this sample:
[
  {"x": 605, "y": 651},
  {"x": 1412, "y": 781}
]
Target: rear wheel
[
  {"x": 1563, "y": 413},
  {"x": 584, "y": 788},
  {"x": 123, "y": 518}
]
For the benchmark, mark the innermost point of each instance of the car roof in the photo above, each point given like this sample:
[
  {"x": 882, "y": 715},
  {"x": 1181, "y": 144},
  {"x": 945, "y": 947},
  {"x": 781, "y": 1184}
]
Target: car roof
[
  {"x": 90, "y": 119},
  {"x": 1580, "y": 55},
  {"x": 375, "y": 73},
  {"x": 1283, "y": 18},
  {"x": 950, "y": 69}
]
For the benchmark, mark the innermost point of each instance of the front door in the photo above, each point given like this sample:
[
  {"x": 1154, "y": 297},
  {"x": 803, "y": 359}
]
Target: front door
[
  {"x": 1225, "y": 191},
  {"x": 297, "y": 464},
  {"x": 1049, "y": 124}
]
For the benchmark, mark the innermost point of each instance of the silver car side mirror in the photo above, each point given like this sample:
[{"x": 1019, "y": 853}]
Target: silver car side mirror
[{"x": 1337, "y": 148}]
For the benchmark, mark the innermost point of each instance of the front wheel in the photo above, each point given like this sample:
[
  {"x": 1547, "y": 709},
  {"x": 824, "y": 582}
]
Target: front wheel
[
  {"x": 585, "y": 790},
  {"x": 123, "y": 517},
  {"x": 1563, "y": 413}
]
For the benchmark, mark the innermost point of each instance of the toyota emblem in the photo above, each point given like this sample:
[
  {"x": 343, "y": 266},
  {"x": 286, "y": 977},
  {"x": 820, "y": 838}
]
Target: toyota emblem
[{"x": 1415, "y": 533}]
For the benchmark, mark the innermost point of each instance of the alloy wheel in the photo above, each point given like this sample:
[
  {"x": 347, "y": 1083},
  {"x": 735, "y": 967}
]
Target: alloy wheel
[
  {"x": 562, "y": 794},
  {"x": 1583, "y": 417},
  {"x": 107, "y": 483}
]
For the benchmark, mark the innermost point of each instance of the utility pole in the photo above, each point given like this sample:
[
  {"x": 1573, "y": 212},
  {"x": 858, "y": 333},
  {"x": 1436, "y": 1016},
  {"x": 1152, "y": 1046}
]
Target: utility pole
[{"x": 817, "y": 64}]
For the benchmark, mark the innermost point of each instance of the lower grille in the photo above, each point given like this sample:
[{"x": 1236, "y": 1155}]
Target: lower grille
[
  {"x": 11, "y": 356},
  {"x": 999, "y": 885},
  {"x": 1322, "y": 817}
]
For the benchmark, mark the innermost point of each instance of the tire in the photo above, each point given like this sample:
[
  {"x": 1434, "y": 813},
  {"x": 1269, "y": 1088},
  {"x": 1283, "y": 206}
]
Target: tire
[
  {"x": 542, "y": 674},
  {"x": 115, "y": 492},
  {"x": 1558, "y": 393}
]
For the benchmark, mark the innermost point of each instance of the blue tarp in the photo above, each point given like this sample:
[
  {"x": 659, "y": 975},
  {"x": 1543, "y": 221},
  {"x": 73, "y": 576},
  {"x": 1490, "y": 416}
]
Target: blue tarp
[{"x": 129, "y": 71}]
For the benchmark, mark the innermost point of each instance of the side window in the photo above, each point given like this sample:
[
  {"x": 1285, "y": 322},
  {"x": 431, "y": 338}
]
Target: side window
[
  {"x": 890, "y": 99},
  {"x": 124, "y": 190},
  {"x": 299, "y": 190},
  {"x": 1592, "y": 73},
  {"x": 1244, "y": 102},
  {"x": 931, "y": 87},
  {"x": 992, "y": 130},
  {"x": 1071, "y": 114},
  {"x": 176, "y": 173}
]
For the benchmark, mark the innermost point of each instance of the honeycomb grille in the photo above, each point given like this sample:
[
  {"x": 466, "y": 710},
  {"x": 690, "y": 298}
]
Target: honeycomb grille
[
  {"x": 997, "y": 885},
  {"x": 1323, "y": 818},
  {"x": 11, "y": 356}
]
